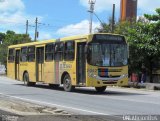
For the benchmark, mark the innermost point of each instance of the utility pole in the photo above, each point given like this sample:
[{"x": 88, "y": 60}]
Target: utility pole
[
  {"x": 92, "y": 3},
  {"x": 113, "y": 21},
  {"x": 35, "y": 39},
  {"x": 27, "y": 27}
]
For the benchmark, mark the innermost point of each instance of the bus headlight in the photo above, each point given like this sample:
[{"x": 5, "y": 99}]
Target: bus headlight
[{"x": 124, "y": 76}]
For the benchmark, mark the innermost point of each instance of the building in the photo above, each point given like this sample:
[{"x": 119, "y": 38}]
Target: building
[{"x": 128, "y": 10}]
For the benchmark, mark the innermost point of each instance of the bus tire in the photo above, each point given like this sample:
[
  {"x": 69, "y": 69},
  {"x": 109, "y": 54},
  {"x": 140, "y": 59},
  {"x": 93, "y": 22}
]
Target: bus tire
[
  {"x": 26, "y": 79},
  {"x": 67, "y": 85},
  {"x": 100, "y": 89}
]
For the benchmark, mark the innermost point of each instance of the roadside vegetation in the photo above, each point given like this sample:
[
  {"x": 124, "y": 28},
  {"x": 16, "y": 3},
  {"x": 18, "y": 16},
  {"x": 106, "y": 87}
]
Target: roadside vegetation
[{"x": 10, "y": 38}]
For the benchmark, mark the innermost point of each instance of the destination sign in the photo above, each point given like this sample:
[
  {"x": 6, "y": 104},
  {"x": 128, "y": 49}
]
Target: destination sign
[{"x": 108, "y": 37}]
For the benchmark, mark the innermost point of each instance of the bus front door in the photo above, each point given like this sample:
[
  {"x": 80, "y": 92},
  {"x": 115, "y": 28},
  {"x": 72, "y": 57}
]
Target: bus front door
[
  {"x": 40, "y": 64},
  {"x": 17, "y": 65},
  {"x": 81, "y": 63}
]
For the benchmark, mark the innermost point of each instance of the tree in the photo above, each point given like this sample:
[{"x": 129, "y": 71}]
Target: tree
[
  {"x": 2, "y": 37},
  {"x": 105, "y": 27},
  {"x": 154, "y": 40},
  {"x": 10, "y": 38}
]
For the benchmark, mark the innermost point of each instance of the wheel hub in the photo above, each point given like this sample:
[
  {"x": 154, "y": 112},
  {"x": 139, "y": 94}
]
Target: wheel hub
[{"x": 67, "y": 83}]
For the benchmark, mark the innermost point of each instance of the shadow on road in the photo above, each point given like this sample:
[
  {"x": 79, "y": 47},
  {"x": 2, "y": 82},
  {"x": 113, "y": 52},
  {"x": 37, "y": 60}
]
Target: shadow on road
[{"x": 87, "y": 91}]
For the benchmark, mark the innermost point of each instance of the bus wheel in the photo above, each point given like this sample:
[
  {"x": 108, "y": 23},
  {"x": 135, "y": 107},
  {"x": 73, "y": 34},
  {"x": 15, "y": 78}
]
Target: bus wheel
[
  {"x": 26, "y": 79},
  {"x": 100, "y": 89},
  {"x": 67, "y": 85}
]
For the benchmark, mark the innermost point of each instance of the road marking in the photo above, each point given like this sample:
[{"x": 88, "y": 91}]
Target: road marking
[
  {"x": 51, "y": 104},
  {"x": 131, "y": 100},
  {"x": 122, "y": 98}
]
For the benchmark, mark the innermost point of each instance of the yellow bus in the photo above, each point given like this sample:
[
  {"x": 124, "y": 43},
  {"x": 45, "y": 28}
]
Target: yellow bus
[{"x": 94, "y": 60}]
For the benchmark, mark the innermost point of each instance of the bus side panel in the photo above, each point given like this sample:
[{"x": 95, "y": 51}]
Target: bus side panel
[
  {"x": 11, "y": 70},
  {"x": 73, "y": 73},
  {"x": 31, "y": 71},
  {"x": 70, "y": 68},
  {"x": 90, "y": 82},
  {"x": 49, "y": 73},
  {"x": 22, "y": 68}
]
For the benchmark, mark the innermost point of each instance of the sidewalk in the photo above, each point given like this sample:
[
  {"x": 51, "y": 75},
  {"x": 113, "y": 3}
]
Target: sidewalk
[
  {"x": 149, "y": 86},
  {"x": 19, "y": 110}
]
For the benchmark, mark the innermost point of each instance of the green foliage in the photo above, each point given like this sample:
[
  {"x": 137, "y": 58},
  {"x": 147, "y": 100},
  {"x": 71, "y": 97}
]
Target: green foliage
[
  {"x": 10, "y": 38},
  {"x": 105, "y": 28}
]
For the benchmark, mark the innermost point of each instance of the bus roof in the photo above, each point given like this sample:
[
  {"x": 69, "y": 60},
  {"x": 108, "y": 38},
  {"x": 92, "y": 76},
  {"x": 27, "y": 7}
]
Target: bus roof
[
  {"x": 77, "y": 37},
  {"x": 32, "y": 43},
  {"x": 74, "y": 37},
  {"x": 83, "y": 36}
]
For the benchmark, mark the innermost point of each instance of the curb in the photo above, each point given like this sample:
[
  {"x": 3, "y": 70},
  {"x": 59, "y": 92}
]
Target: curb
[{"x": 148, "y": 86}]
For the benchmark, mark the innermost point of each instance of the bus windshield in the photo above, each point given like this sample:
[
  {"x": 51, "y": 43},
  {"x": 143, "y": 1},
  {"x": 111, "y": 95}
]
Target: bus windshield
[{"x": 107, "y": 53}]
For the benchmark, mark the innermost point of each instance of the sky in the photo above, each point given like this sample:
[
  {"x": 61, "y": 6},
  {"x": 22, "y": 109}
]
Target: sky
[{"x": 60, "y": 18}]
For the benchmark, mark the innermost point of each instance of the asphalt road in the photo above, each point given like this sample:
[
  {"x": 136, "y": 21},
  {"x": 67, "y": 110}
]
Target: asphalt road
[{"x": 85, "y": 101}]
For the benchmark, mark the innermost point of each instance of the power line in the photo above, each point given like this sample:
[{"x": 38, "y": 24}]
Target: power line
[
  {"x": 31, "y": 26},
  {"x": 98, "y": 18},
  {"x": 61, "y": 20},
  {"x": 39, "y": 25},
  {"x": 44, "y": 24}
]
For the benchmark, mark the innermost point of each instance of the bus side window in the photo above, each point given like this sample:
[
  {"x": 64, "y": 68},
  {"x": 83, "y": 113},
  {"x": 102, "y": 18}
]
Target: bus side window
[
  {"x": 59, "y": 50},
  {"x": 24, "y": 54},
  {"x": 69, "y": 51},
  {"x": 31, "y": 54},
  {"x": 11, "y": 55},
  {"x": 49, "y": 52}
]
